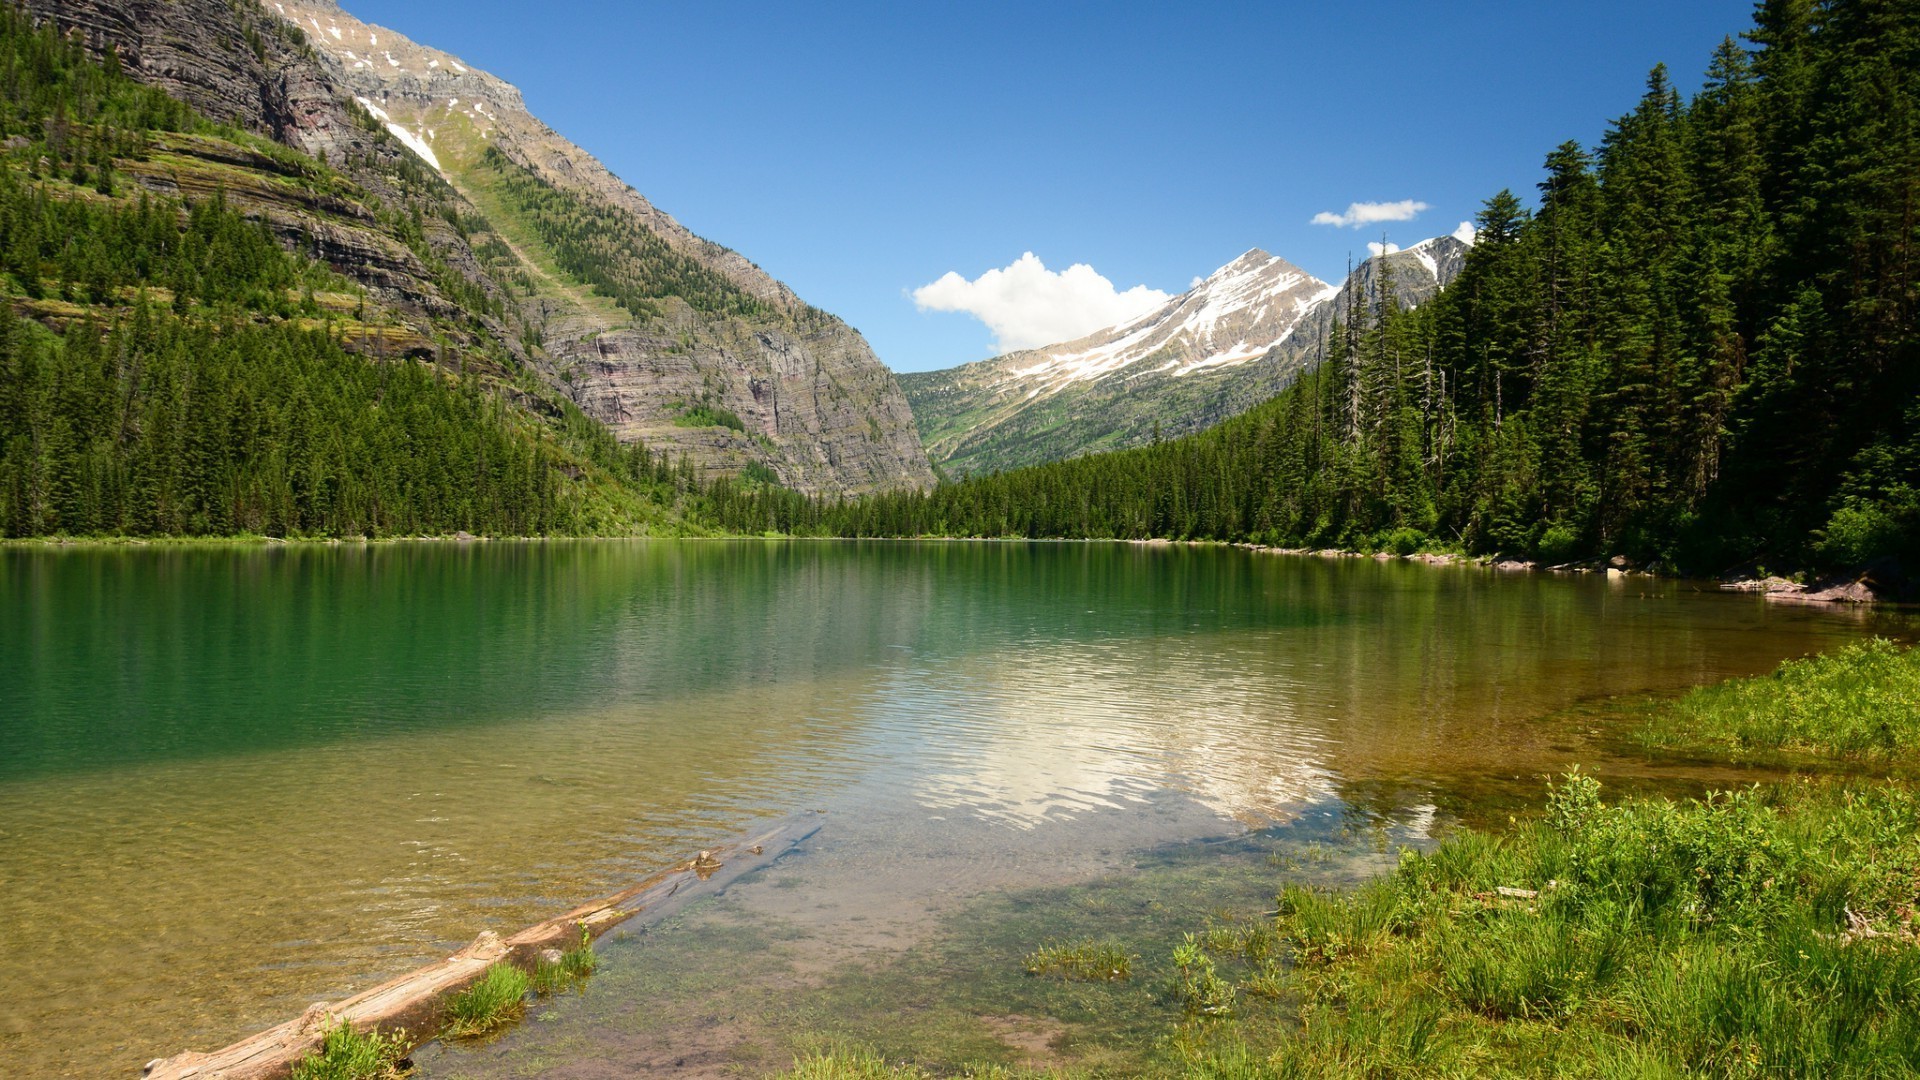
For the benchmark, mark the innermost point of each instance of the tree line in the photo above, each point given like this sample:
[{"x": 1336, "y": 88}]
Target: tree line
[{"x": 1698, "y": 346}]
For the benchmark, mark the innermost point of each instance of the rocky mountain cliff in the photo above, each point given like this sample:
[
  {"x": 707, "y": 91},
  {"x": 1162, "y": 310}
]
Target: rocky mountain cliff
[
  {"x": 1234, "y": 340},
  {"x": 484, "y": 229}
]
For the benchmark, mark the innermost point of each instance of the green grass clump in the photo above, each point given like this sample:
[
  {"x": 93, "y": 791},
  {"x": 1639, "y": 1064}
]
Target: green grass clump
[
  {"x": 1861, "y": 703},
  {"x": 1768, "y": 932},
  {"x": 850, "y": 1065},
  {"x": 497, "y": 999},
  {"x": 346, "y": 1054},
  {"x": 1197, "y": 984},
  {"x": 548, "y": 978},
  {"x": 580, "y": 961},
  {"x": 570, "y": 970},
  {"x": 1084, "y": 961}
]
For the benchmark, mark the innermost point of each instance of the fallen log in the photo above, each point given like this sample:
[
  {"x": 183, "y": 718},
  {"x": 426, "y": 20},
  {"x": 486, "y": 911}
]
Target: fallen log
[{"x": 411, "y": 1003}]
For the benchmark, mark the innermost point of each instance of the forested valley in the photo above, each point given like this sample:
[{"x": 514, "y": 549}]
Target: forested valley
[
  {"x": 1694, "y": 347},
  {"x": 1698, "y": 348}
]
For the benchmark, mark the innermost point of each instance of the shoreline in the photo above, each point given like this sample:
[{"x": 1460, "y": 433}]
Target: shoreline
[
  {"x": 1873, "y": 584},
  {"x": 1579, "y": 914}
]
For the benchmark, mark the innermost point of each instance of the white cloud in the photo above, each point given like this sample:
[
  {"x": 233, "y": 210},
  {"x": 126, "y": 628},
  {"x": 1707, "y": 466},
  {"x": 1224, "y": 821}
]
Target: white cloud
[
  {"x": 1466, "y": 233},
  {"x": 1027, "y": 305},
  {"x": 1374, "y": 247},
  {"x": 1361, "y": 214}
]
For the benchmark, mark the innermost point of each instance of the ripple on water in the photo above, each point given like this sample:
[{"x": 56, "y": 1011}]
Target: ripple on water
[{"x": 236, "y": 781}]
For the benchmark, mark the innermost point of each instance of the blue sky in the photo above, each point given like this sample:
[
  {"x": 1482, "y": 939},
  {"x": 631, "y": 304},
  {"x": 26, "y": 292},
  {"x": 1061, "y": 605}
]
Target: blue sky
[{"x": 861, "y": 151}]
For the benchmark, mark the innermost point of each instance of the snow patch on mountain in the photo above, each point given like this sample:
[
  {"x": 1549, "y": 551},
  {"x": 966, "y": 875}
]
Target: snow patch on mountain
[
  {"x": 407, "y": 138},
  {"x": 1233, "y": 316}
]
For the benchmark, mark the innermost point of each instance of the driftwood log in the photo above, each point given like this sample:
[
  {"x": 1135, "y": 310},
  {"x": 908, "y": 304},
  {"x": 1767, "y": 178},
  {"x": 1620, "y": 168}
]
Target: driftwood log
[{"x": 411, "y": 1003}]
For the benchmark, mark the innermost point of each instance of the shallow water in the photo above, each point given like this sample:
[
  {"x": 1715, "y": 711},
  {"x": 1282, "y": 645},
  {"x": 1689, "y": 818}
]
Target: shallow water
[{"x": 237, "y": 780}]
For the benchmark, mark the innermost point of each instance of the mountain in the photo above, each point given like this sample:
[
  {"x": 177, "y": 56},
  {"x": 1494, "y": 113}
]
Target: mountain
[
  {"x": 1233, "y": 341},
  {"x": 521, "y": 243},
  {"x": 206, "y": 332},
  {"x": 1699, "y": 350}
]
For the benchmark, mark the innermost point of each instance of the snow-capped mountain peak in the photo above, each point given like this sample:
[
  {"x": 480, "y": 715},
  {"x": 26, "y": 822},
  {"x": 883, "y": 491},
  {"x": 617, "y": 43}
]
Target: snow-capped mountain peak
[
  {"x": 1236, "y": 338},
  {"x": 1236, "y": 314}
]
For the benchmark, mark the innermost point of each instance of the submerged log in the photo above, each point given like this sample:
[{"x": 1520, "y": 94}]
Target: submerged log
[{"x": 411, "y": 1003}]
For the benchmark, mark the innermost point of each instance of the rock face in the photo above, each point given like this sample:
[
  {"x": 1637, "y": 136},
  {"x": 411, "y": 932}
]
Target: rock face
[
  {"x": 754, "y": 379},
  {"x": 1232, "y": 342},
  {"x": 236, "y": 64},
  {"x": 813, "y": 403}
]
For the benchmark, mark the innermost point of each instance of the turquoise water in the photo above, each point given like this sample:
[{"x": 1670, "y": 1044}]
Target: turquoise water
[{"x": 234, "y": 780}]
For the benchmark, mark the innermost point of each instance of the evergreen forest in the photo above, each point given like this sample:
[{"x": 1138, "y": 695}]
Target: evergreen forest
[
  {"x": 180, "y": 371},
  {"x": 1693, "y": 345},
  {"x": 1697, "y": 346}
]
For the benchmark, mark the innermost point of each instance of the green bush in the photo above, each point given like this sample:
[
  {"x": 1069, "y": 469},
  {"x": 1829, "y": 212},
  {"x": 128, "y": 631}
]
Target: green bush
[
  {"x": 1403, "y": 541},
  {"x": 1558, "y": 544},
  {"x": 1860, "y": 532}
]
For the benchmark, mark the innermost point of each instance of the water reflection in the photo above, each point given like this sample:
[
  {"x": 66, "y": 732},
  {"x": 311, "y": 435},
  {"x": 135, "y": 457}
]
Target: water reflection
[
  {"x": 233, "y": 781},
  {"x": 1070, "y": 728}
]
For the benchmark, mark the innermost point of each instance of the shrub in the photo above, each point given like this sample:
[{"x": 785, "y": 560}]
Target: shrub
[
  {"x": 1403, "y": 541},
  {"x": 1558, "y": 544},
  {"x": 1859, "y": 532}
]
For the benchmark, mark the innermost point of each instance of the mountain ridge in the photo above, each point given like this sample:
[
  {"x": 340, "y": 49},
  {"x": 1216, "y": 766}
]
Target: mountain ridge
[
  {"x": 665, "y": 338},
  {"x": 775, "y": 384},
  {"x": 1238, "y": 337}
]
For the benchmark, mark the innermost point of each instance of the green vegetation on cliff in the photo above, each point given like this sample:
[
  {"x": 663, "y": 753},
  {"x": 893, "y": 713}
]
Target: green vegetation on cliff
[
  {"x": 1702, "y": 347},
  {"x": 608, "y": 250},
  {"x": 181, "y": 372}
]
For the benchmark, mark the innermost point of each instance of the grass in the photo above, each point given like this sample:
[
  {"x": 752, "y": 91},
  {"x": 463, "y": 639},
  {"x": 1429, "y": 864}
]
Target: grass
[
  {"x": 1765, "y": 932},
  {"x": 570, "y": 971},
  {"x": 859, "y": 1063},
  {"x": 1770, "y": 931},
  {"x": 1085, "y": 961},
  {"x": 497, "y": 999},
  {"x": 346, "y": 1054},
  {"x": 1857, "y": 705}
]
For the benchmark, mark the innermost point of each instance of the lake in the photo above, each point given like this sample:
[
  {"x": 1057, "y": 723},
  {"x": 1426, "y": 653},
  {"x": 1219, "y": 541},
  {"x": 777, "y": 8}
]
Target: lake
[{"x": 236, "y": 780}]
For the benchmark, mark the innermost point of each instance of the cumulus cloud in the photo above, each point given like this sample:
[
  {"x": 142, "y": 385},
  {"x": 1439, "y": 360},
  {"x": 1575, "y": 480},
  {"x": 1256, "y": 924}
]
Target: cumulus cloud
[
  {"x": 1027, "y": 305},
  {"x": 1361, "y": 214},
  {"x": 1466, "y": 233},
  {"x": 1374, "y": 247}
]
